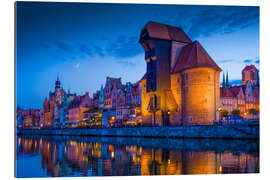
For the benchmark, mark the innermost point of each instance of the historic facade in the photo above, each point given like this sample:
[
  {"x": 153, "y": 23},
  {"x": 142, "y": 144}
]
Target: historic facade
[
  {"x": 120, "y": 102},
  {"x": 244, "y": 97},
  {"x": 181, "y": 84},
  {"x": 78, "y": 108}
]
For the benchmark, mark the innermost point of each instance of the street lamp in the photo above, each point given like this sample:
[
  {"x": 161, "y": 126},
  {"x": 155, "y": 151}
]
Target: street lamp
[{"x": 219, "y": 110}]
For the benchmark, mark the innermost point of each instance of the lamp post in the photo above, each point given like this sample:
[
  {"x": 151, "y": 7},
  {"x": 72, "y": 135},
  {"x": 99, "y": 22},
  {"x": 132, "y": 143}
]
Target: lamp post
[{"x": 219, "y": 118}]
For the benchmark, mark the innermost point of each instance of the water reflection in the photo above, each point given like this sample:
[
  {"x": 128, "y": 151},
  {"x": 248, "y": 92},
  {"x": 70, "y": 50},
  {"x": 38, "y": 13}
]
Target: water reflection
[{"x": 92, "y": 156}]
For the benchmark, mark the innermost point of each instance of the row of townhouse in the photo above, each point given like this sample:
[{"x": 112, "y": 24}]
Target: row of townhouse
[
  {"x": 116, "y": 103},
  {"x": 243, "y": 97},
  {"x": 27, "y": 118},
  {"x": 122, "y": 102}
]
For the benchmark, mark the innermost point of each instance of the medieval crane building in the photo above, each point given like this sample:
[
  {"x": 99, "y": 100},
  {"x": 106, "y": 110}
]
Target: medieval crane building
[{"x": 181, "y": 84}]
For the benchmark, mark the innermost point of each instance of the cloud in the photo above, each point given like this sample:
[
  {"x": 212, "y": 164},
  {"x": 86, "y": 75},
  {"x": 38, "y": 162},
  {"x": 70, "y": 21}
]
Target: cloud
[
  {"x": 77, "y": 65},
  {"x": 121, "y": 47},
  {"x": 124, "y": 47},
  {"x": 63, "y": 46},
  {"x": 248, "y": 61},
  {"x": 126, "y": 62},
  {"x": 257, "y": 61},
  {"x": 225, "y": 61},
  {"x": 222, "y": 20},
  {"x": 252, "y": 60},
  {"x": 86, "y": 50},
  {"x": 99, "y": 51}
]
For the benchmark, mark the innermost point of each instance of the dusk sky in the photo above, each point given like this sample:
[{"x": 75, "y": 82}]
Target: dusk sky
[{"x": 84, "y": 43}]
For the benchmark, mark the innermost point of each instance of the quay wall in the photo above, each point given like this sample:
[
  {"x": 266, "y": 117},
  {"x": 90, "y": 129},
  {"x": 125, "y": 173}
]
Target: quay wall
[{"x": 206, "y": 131}]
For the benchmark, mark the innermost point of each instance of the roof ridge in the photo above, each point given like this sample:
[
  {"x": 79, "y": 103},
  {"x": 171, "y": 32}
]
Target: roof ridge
[{"x": 196, "y": 55}]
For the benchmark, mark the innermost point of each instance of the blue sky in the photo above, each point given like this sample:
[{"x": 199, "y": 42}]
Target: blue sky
[{"x": 85, "y": 42}]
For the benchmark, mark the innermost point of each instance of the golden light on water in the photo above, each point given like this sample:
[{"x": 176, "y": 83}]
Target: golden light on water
[
  {"x": 19, "y": 141},
  {"x": 142, "y": 160}
]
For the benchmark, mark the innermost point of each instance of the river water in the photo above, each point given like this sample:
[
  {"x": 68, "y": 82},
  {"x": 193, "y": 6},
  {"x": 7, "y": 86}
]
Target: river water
[{"x": 54, "y": 156}]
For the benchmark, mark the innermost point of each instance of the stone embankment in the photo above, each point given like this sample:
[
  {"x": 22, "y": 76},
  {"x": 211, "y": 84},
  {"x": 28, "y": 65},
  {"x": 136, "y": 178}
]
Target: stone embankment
[{"x": 211, "y": 131}]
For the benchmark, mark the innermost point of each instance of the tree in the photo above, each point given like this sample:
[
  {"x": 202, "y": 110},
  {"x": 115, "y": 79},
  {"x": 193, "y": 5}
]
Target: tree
[
  {"x": 253, "y": 111},
  {"x": 223, "y": 113},
  {"x": 236, "y": 112}
]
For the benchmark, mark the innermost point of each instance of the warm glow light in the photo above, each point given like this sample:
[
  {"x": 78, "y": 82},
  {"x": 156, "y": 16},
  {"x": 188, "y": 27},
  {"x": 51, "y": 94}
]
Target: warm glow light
[
  {"x": 19, "y": 141},
  {"x": 112, "y": 154},
  {"x": 220, "y": 168}
]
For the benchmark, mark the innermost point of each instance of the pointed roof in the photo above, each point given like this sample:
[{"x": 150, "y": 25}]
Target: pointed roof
[
  {"x": 192, "y": 56},
  {"x": 45, "y": 101},
  {"x": 115, "y": 81},
  {"x": 251, "y": 67},
  {"x": 223, "y": 82},
  {"x": 166, "y": 32},
  {"x": 235, "y": 90},
  {"x": 226, "y": 92},
  {"x": 227, "y": 79}
]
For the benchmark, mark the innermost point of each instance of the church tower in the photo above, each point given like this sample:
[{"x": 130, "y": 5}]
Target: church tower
[
  {"x": 57, "y": 83},
  {"x": 59, "y": 92},
  {"x": 223, "y": 80}
]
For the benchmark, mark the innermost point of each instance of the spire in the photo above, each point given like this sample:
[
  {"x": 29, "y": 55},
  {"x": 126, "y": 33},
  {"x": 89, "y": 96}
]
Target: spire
[
  {"x": 57, "y": 83},
  {"x": 227, "y": 79},
  {"x": 223, "y": 82}
]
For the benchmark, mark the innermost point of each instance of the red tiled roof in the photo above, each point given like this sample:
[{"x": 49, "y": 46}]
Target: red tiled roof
[
  {"x": 163, "y": 31},
  {"x": 226, "y": 92},
  {"x": 251, "y": 67},
  {"x": 194, "y": 55},
  {"x": 235, "y": 90}
]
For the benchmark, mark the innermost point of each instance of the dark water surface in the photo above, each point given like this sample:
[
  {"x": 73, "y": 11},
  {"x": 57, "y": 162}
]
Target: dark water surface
[{"x": 47, "y": 156}]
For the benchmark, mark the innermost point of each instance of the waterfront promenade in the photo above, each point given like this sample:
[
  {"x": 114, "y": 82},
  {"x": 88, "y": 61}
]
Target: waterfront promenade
[{"x": 207, "y": 131}]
